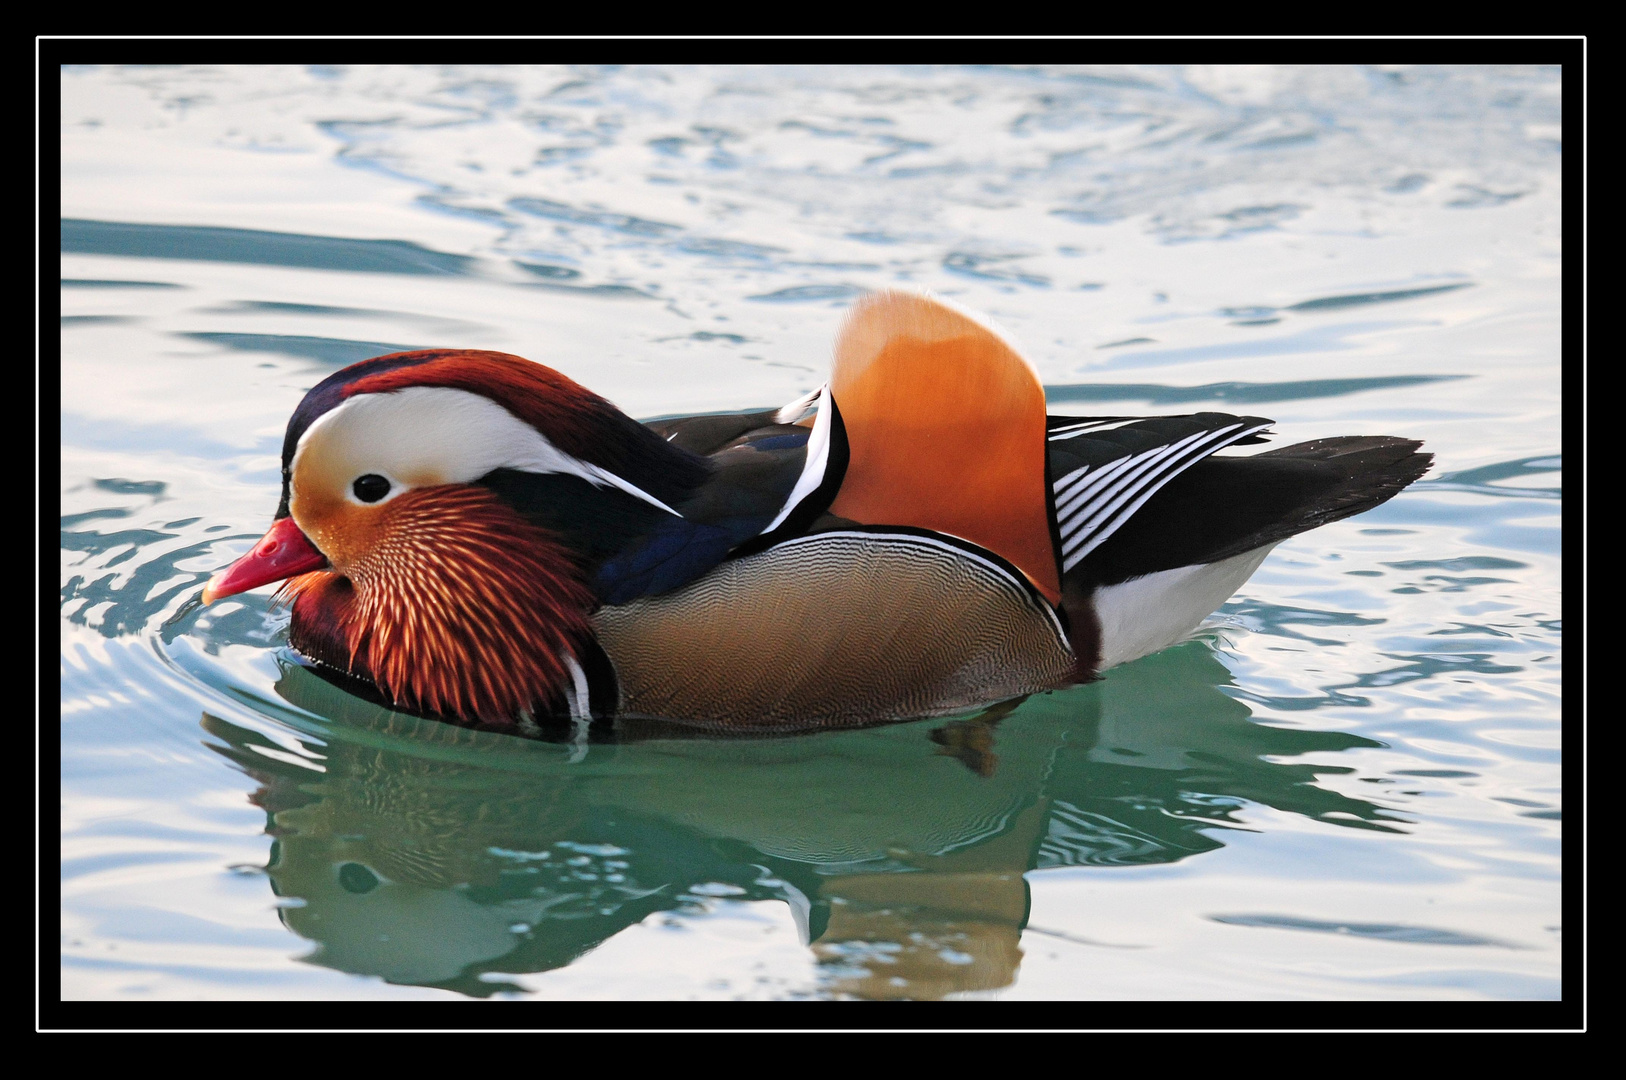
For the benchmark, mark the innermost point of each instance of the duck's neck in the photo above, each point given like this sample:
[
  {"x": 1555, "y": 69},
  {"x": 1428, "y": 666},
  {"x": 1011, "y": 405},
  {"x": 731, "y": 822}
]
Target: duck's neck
[
  {"x": 593, "y": 522},
  {"x": 597, "y": 519}
]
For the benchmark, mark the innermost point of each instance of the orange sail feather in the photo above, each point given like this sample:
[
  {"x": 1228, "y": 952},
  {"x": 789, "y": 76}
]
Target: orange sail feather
[{"x": 946, "y": 431}]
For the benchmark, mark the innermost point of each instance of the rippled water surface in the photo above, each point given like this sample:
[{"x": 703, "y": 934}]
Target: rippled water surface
[{"x": 1347, "y": 786}]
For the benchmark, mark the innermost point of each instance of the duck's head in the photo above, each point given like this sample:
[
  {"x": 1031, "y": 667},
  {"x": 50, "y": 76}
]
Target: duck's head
[{"x": 441, "y": 512}]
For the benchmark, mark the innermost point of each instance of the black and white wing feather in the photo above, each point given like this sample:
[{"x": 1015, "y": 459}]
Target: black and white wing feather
[{"x": 1106, "y": 468}]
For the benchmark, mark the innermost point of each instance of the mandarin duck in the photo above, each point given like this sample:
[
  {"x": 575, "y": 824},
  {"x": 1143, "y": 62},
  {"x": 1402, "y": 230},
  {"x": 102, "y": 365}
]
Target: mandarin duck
[{"x": 481, "y": 539}]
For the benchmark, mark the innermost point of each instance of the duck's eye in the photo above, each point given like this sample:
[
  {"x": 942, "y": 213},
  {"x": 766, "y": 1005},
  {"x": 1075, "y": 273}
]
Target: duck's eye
[{"x": 370, "y": 488}]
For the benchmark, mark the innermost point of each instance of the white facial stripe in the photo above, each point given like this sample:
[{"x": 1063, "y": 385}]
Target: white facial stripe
[{"x": 426, "y": 435}]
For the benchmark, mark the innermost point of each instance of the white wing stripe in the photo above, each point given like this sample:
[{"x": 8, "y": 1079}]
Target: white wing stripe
[
  {"x": 1075, "y": 551},
  {"x": 1089, "y": 519},
  {"x": 818, "y": 458},
  {"x": 1060, "y": 487},
  {"x": 1103, "y": 475},
  {"x": 1068, "y": 500},
  {"x": 1068, "y": 431},
  {"x": 1147, "y": 471},
  {"x": 1133, "y": 462},
  {"x": 1085, "y": 493},
  {"x": 1066, "y": 486},
  {"x": 799, "y": 408}
]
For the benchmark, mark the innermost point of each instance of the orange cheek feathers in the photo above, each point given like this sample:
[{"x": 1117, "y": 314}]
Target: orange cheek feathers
[{"x": 459, "y": 607}]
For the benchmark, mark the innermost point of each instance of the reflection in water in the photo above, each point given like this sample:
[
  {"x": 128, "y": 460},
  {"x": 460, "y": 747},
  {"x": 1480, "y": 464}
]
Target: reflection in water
[{"x": 430, "y": 854}]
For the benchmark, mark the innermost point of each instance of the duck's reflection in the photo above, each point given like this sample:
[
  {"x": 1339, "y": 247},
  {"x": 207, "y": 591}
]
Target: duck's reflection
[{"x": 429, "y": 854}]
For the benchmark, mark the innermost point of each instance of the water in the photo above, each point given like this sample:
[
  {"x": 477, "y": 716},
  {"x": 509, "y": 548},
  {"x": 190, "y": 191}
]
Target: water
[{"x": 1347, "y": 786}]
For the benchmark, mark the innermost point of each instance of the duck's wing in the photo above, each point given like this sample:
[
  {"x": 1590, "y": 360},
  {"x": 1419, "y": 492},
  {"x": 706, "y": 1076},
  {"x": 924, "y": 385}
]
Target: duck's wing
[
  {"x": 1216, "y": 508},
  {"x": 707, "y": 434},
  {"x": 1105, "y": 470},
  {"x": 931, "y": 423},
  {"x": 757, "y": 464}
]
